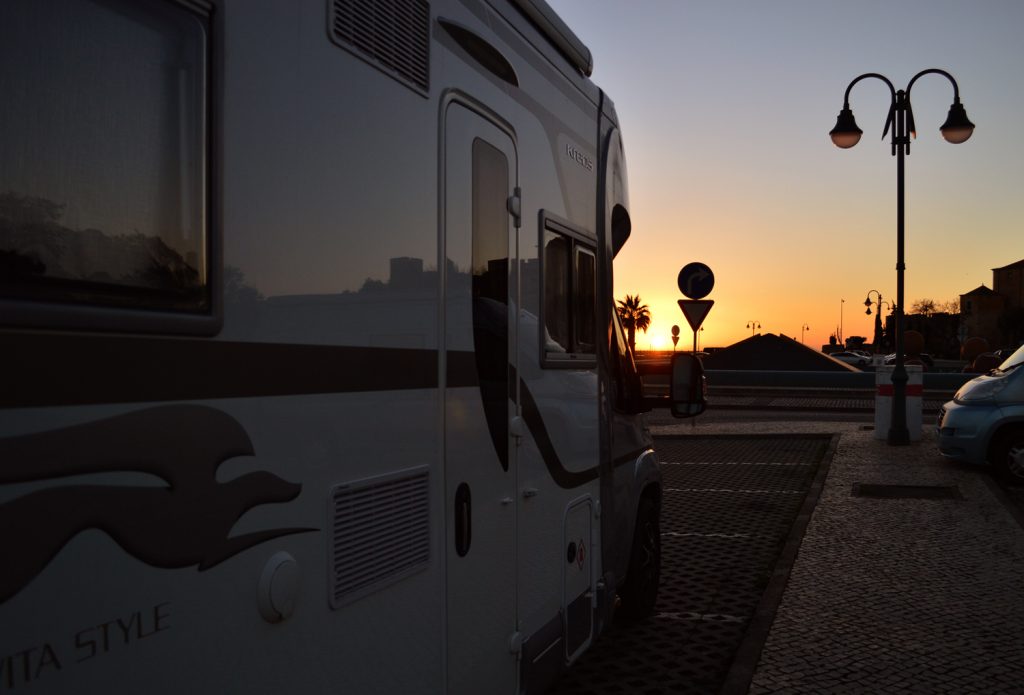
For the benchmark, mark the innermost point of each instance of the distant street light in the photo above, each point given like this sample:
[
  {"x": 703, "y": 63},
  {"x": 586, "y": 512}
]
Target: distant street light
[
  {"x": 753, "y": 326},
  {"x": 840, "y": 336},
  {"x": 803, "y": 328},
  {"x": 956, "y": 129},
  {"x": 878, "y": 318}
]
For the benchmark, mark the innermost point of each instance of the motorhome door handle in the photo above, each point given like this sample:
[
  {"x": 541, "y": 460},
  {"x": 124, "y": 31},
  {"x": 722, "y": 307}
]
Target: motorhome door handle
[
  {"x": 463, "y": 521},
  {"x": 517, "y": 426},
  {"x": 529, "y": 492}
]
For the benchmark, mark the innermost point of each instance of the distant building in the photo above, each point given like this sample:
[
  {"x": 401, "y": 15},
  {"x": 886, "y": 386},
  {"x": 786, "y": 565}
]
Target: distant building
[
  {"x": 406, "y": 273},
  {"x": 996, "y": 314},
  {"x": 980, "y": 310},
  {"x": 1009, "y": 282}
]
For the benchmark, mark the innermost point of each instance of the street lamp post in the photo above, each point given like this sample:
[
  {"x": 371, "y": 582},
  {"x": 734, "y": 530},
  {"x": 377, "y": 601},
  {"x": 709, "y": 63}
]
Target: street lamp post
[
  {"x": 753, "y": 326},
  {"x": 878, "y": 317},
  {"x": 956, "y": 129},
  {"x": 842, "y": 345},
  {"x": 803, "y": 328}
]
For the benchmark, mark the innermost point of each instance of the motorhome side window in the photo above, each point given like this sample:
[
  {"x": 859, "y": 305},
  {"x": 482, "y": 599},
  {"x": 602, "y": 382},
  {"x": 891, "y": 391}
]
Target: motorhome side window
[
  {"x": 103, "y": 154},
  {"x": 569, "y": 295}
]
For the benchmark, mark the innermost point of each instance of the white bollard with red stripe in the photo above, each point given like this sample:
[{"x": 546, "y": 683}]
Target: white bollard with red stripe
[{"x": 883, "y": 401}]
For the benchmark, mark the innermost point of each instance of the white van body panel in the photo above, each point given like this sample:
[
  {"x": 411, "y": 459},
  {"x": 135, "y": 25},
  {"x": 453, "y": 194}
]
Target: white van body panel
[{"x": 262, "y": 492}]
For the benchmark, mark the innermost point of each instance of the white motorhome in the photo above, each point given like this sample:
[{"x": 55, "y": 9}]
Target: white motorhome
[{"x": 312, "y": 375}]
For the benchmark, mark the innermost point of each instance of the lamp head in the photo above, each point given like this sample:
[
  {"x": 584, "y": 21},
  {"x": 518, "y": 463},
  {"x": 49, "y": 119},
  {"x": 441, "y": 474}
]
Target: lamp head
[
  {"x": 868, "y": 311},
  {"x": 846, "y": 133},
  {"x": 957, "y": 128}
]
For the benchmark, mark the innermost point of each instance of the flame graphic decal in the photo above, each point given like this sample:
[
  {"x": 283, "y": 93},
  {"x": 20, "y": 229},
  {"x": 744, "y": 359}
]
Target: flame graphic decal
[{"x": 183, "y": 524}]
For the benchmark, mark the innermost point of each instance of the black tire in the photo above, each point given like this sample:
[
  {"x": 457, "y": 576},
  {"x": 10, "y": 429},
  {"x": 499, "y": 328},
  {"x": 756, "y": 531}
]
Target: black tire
[
  {"x": 639, "y": 592},
  {"x": 1008, "y": 456}
]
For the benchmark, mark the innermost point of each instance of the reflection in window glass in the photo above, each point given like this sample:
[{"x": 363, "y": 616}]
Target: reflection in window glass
[
  {"x": 569, "y": 296},
  {"x": 490, "y": 222},
  {"x": 556, "y": 292},
  {"x": 585, "y": 300},
  {"x": 490, "y": 288},
  {"x": 103, "y": 153}
]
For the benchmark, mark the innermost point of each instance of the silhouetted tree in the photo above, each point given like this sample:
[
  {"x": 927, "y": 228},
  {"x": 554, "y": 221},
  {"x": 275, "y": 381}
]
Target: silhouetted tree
[
  {"x": 236, "y": 291},
  {"x": 923, "y": 306},
  {"x": 26, "y": 209},
  {"x": 634, "y": 316}
]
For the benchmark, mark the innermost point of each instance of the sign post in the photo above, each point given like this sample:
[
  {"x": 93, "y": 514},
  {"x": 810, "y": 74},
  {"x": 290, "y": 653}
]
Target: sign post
[
  {"x": 695, "y": 311},
  {"x": 696, "y": 282}
]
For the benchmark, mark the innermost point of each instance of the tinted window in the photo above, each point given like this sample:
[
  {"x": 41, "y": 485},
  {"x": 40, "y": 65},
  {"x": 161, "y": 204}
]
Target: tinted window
[
  {"x": 569, "y": 296},
  {"x": 103, "y": 153},
  {"x": 556, "y": 291},
  {"x": 490, "y": 288},
  {"x": 584, "y": 299}
]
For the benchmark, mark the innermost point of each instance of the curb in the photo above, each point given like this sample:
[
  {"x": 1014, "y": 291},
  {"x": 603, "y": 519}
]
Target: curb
[{"x": 741, "y": 672}]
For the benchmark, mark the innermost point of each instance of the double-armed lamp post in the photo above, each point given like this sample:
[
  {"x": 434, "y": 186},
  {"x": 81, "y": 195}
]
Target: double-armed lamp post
[
  {"x": 956, "y": 129},
  {"x": 878, "y": 318}
]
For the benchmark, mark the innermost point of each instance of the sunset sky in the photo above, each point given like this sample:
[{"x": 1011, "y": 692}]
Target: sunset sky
[{"x": 725, "y": 110}]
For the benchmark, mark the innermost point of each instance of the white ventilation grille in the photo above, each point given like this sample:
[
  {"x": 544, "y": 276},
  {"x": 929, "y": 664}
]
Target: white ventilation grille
[
  {"x": 393, "y": 35},
  {"x": 381, "y": 532}
]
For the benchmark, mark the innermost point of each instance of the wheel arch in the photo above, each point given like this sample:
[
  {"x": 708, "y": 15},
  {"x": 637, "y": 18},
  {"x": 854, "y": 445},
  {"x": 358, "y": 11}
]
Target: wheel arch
[{"x": 1001, "y": 430}]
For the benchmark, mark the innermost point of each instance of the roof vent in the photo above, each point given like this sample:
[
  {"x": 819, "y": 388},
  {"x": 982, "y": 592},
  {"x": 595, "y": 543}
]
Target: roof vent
[
  {"x": 391, "y": 35},
  {"x": 381, "y": 533}
]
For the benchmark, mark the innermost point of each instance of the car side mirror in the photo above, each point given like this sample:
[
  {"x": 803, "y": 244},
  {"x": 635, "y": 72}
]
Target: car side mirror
[{"x": 689, "y": 387}]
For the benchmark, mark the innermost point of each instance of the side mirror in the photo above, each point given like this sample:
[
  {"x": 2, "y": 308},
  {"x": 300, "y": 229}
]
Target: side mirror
[{"x": 688, "y": 387}]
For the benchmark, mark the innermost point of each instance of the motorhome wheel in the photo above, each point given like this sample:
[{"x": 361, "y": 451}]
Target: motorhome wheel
[
  {"x": 1008, "y": 456},
  {"x": 640, "y": 590}
]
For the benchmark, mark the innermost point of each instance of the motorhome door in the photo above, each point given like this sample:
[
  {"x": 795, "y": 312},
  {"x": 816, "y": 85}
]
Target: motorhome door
[{"x": 480, "y": 393}]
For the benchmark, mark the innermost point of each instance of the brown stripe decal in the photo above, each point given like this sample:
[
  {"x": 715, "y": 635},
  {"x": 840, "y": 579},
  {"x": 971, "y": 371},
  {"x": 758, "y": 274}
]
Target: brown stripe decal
[
  {"x": 62, "y": 369},
  {"x": 564, "y": 478}
]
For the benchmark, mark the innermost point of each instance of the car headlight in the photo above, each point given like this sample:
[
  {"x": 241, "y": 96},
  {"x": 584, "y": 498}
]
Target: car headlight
[{"x": 974, "y": 391}]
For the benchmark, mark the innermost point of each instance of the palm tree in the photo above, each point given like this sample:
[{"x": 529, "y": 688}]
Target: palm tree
[{"x": 633, "y": 315}]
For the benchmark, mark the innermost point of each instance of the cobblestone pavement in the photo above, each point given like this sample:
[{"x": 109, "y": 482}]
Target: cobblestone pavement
[
  {"x": 901, "y": 595},
  {"x": 897, "y": 595},
  {"x": 728, "y": 507}
]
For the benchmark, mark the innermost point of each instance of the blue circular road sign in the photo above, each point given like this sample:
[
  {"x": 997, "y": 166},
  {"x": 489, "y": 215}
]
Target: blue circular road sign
[{"x": 696, "y": 280}]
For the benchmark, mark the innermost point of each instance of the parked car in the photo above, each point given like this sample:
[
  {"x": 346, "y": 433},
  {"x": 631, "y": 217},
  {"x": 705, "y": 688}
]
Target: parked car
[
  {"x": 853, "y": 358},
  {"x": 985, "y": 420},
  {"x": 1003, "y": 353},
  {"x": 924, "y": 357},
  {"x": 985, "y": 362}
]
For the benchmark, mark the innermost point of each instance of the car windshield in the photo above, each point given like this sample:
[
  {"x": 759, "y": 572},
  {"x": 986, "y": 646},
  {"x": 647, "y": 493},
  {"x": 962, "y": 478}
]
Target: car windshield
[{"x": 1014, "y": 360}]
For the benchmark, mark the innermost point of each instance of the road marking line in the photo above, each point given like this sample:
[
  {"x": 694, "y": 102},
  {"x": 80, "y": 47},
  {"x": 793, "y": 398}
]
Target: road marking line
[
  {"x": 703, "y": 617},
  {"x": 676, "y": 534},
  {"x": 752, "y": 492},
  {"x": 730, "y": 463}
]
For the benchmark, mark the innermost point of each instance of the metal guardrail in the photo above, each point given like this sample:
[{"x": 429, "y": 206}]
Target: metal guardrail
[
  {"x": 932, "y": 381},
  {"x": 795, "y": 388}
]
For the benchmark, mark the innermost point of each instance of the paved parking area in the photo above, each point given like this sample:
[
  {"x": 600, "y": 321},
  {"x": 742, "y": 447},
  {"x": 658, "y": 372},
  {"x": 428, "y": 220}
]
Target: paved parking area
[
  {"x": 729, "y": 507},
  {"x": 902, "y": 593}
]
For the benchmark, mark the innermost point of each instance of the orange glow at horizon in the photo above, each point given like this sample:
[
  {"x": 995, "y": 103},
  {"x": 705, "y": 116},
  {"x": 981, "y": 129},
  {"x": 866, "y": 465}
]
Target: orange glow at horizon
[
  {"x": 790, "y": 224},
  {"x": 725, "y": 326}
]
